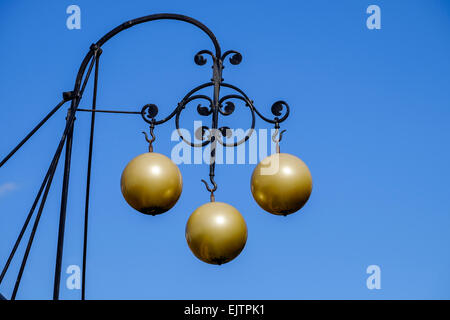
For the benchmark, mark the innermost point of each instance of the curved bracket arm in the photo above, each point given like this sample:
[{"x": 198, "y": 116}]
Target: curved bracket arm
[{"x": 131, "y": 23}]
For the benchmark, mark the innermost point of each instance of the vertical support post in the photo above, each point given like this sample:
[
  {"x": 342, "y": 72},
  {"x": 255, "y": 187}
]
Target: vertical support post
[
  {"x": 88, "y": 178},
  {"x": 65, "y": 188},
  {"x": 62, "y": 217}
]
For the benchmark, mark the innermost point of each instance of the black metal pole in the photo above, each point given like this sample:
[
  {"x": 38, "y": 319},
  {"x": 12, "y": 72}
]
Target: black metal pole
[
  {"x": 88, "y": 179},
  {"x": 62, "y": 217},
  {"x": 65, "y": 188}
]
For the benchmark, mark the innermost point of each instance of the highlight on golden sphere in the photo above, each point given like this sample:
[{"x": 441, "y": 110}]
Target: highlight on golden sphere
[
  {"x": 151, "y": 183},
  {"x": 281, "y": 184},
  {"x": 216, "y": 232}
]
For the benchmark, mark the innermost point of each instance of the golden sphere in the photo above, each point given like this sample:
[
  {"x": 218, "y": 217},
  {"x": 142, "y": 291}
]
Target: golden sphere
[
  {"x": 151, "y": 183},
  {"x": 281, "y": 184},
  {"x": 216, "y": 232}
]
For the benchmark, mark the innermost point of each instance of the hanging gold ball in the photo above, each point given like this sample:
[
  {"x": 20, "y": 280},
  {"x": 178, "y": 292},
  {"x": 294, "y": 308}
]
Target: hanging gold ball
[
  {"x": 216, "y": 232},
  {"x": 151, "y": 183},
  {"x": 281, "y": 184}
]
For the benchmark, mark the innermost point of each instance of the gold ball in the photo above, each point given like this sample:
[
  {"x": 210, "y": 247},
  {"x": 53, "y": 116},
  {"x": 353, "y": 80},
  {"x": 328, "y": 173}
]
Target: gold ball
[
  {"x": 281, "y": 184},
  {"x": 151, "y": 183},
  {"x": 216, "y": 232}
]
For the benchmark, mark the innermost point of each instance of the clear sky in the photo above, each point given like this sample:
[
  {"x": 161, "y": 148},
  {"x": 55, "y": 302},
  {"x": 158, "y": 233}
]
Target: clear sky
[{"x": 370, "y": 114}]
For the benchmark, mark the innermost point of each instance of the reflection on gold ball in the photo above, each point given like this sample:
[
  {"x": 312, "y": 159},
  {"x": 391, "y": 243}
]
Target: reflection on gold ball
[
  {"x": 216, "y": 232},
  {"x": 151, "y": 183},
  {"x": 281, "y": 184}
]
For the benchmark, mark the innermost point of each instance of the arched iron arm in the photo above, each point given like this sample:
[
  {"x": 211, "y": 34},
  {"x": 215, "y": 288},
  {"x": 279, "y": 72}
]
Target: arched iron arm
[
  {"x": 129, "y": 24},
  {"x": 162, "y": 16}
]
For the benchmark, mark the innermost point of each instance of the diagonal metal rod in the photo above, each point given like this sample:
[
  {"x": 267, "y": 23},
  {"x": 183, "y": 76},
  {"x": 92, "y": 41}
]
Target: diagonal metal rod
[
  {"x": 25, "y": 226},
  {"x": 65, "y": 188},
  {"x": 109, "y": 111},
  {"x": 85, "y": 81},
  {"x": 52, "y": 170},
  {"x": 29, "y": 135},
  {"x": 88, "y": 182}
]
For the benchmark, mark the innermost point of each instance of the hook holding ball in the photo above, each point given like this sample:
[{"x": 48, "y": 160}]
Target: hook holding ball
[
  {"x": 150, "y": 141},
  {"x": 277, "y": 140},
  {"x": 211, "y": 190}
]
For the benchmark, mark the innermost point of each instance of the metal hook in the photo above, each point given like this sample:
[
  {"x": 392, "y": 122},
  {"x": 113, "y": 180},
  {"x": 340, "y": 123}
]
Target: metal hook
[
  {"x": 277, "y": 140},
  {"x": 150, "y": 146},
  {"x": 211, "y": 178}
]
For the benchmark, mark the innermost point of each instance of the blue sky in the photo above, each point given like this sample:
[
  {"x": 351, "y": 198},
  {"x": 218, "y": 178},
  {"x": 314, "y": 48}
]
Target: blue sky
[{"x": 370, "y": 112}]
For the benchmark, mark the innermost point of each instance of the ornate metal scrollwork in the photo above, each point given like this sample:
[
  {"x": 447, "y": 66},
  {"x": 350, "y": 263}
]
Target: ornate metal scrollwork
[
  {"x": 235, "y": 59},
  {"x": 199, "y": 58},
  {"x": 216, "y": 106},
  {"x": 149, "y": 112},
  {"x": 277, "y": 109},
  {"x": 203, "y": 111},
  {"x": 229, "y": 109}
]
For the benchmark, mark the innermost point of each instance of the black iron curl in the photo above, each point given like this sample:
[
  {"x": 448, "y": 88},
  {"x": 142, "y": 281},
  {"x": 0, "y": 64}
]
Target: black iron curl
[
  {"x": 149, "y": 112},
  {"x": 229, "y": 109},
  {"x": 235, "y": 59},
  {"x": 204, "y": 111},
  {"x": 200, "y": 60}
]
